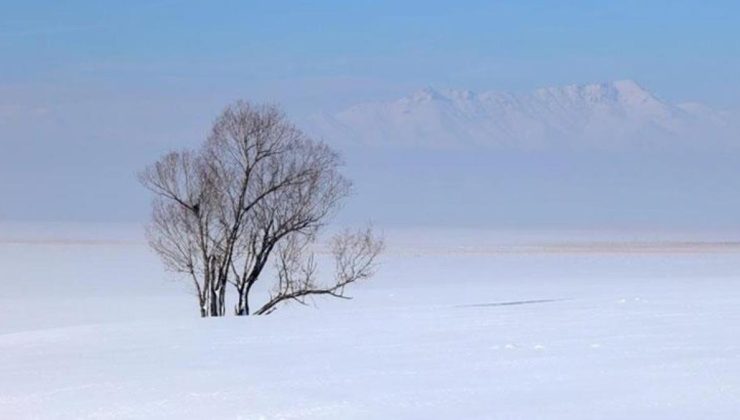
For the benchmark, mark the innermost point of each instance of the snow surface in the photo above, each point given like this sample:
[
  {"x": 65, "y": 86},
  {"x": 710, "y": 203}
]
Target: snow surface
[{"x": 457, "y": 324}]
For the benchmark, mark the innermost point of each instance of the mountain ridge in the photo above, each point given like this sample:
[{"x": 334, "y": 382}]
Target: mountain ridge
[{"x": 610, "y": 114}]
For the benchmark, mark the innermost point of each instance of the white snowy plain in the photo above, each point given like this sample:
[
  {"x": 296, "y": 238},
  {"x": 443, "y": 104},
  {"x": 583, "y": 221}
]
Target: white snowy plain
[{"x": 456, "y": 324}]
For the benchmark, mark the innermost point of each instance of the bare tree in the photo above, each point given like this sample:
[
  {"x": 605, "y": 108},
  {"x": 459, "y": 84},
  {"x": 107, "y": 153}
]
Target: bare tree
[
  {"x": 258, "y": 184},
  {"x": 354, "y": 256},
  {"x": 184, "y": 224}
]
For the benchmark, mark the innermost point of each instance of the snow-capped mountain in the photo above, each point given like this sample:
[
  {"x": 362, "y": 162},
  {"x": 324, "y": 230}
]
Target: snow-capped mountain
[{"x": 600, "y": 115}]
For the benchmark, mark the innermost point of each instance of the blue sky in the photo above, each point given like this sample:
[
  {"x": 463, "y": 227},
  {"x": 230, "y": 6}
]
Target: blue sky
[
  {"x": 90, "y": 91},
  {"x": 338, "y": 51}
]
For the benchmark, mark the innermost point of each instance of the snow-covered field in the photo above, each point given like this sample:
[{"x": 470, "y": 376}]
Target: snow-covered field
[{"x": 457, "y": 324}]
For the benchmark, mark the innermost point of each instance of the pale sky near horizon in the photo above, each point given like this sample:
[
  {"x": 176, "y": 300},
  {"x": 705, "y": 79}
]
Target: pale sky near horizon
[{"x": 90, "y": 90}]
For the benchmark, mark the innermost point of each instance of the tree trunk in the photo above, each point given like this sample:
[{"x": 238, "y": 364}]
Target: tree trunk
[
  {"x": 213, "y": 303},
  {"x": 242, "y": 308},
  {"x": 202, "y": 305},
  {"x": 222, "y": 301},
  {"x": 244, "y": 289}
]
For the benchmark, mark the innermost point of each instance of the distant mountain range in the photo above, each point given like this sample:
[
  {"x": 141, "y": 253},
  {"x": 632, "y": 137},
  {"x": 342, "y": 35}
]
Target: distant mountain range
[{"x": 605, "y": 115}]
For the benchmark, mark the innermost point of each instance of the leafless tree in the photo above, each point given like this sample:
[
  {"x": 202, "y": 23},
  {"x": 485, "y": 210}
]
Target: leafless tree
[
  {"x": 257, "y": 185},
  {"x": 184, "y": 224},
  {"x": 354, "y": 256}
]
